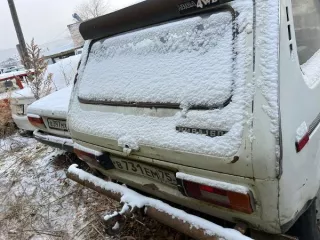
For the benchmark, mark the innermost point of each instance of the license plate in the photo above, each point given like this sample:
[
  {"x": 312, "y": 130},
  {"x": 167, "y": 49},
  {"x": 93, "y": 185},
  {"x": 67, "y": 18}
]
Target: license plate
[
  {"x": 57, "y": 124},
  {"x": 141, "y": 169}
]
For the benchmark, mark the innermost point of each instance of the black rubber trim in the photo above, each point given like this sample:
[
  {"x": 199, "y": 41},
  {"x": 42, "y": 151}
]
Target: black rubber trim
[
  {"x": 314, "y": 124},
  {"x": 63, "y": 147},
  {"x": 140, "y": 15},
  {"x": 151, "y": 105}
]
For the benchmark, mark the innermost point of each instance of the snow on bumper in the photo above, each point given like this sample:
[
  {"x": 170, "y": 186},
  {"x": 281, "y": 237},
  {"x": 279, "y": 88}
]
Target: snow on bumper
[
  {"x": 62, "y": 143},
  {"x": 22, "y": 122},
  {"x": 191, "y": 225}
]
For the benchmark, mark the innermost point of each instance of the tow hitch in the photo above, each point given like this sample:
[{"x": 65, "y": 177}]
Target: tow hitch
[
  {"x": 135, "y": 203},
  {"x": 115, "y": 222}
]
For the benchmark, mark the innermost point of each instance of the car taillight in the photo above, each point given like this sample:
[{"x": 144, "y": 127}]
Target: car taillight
[
  {"x": 225, "y": 198},
  {"x": 302, "y": 143},
  {"x": 85, "y": 156},
  {"x": 93, "y": 157},
  {"x": 36, "y": 121}
]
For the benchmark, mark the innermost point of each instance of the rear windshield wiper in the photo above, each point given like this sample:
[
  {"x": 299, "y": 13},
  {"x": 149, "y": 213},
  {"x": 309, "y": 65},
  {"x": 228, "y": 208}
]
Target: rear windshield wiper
[{"x": 151, "y": 104}]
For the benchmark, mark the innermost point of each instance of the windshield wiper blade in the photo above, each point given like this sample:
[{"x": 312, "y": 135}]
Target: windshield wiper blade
[{"x": 151, "y": 104}]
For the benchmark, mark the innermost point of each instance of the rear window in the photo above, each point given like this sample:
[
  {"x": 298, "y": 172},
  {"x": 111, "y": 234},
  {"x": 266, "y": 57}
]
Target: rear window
[
  {"x": 187, "y": 62},
  {"x": 306, "y": 16}
]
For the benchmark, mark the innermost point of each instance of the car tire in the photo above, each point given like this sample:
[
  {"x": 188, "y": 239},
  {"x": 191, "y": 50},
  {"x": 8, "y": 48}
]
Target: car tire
[{"x": 306, "y": 228}]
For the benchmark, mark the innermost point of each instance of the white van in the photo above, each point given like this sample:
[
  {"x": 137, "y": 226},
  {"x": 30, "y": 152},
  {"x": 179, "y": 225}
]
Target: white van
[{"x": 211, "y": 105}]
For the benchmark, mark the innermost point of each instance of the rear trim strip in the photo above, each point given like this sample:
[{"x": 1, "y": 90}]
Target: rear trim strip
[
  {"x": 314, "y": 124},
  {"x": 151, "y": 105}
]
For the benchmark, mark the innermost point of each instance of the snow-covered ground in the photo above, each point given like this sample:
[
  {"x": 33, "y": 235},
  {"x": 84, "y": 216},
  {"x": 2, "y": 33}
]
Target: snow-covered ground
[{"x": 37, "y": 201}]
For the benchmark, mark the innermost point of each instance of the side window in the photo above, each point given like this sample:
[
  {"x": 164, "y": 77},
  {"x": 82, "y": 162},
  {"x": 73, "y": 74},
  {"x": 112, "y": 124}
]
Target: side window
[{"x": 306, "y": 16}]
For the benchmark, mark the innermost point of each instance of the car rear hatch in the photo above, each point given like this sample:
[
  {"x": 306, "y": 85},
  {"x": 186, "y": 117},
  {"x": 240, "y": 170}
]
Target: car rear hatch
[{"x": 175, "y": 91}]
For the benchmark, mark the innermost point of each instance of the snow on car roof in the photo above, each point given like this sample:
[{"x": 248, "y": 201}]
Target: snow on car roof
[
  {"x": 55, "y": 104},
  {"x": 63, "y": 72},
  {"x": 12, "y": 74},
  {"x": 23, "y": 93}
]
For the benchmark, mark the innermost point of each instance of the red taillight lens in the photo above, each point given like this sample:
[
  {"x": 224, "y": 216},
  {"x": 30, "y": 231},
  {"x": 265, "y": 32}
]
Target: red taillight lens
[
  {"x": 84, "y": 156},
  {"x": 36, "y": 121},
  {"x": 229, "y": 199},
  {"x": 302, "y": 143}
]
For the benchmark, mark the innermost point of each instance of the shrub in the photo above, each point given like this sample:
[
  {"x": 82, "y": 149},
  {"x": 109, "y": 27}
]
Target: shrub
[{"x": 7, "y": 126}]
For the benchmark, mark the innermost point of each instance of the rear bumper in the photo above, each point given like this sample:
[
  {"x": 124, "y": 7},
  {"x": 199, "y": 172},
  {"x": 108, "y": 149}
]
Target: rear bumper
[
  {"x": 265, "y": 192},
  {"x": 191, "y": 225},
  {"x": 62, "y": 143},
  {"x": 22, "y": 122}
]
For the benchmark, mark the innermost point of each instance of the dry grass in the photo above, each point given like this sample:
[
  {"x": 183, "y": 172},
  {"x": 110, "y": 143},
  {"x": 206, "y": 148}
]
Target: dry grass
[
  {"x": 7, "y": 126},
  {"x": 37, "y": 201}
]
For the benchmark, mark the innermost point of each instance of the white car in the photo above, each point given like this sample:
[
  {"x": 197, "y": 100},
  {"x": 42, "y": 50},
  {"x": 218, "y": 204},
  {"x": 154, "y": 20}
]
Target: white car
[
  {"x": 211, "y": 105},
  {"x": 48, "y": 115},
  {"x": 20, "y": 100},
  {"x": 63, "y": 75}
]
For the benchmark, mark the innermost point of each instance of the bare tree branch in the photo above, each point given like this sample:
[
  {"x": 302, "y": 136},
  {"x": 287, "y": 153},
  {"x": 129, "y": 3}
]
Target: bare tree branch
[
  {"x": 39, "y": 82},
  {"x": 92, "y": 8}
]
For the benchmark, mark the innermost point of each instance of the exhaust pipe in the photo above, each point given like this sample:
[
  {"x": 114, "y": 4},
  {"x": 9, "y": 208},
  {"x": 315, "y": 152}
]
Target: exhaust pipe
[{"x": 190, "y": 225}]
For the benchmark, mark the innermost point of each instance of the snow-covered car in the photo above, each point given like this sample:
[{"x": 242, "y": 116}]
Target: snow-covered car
[
  {"x": 211, "y": 105},
  {"x": 19, "y": 102},
  {"x": 63, "y": 73},
  {"x": 11, "y": 82},
  {"x": 49, "y": 116}
]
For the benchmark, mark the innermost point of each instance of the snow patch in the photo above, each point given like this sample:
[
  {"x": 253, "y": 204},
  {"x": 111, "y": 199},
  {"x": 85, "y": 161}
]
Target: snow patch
[
  {"x": 54, "y": 139},
  {"x": 33, "y": 115},
  {"x": 172, "y": 63},
  {"x": 12, "y": 74},
  {"x": 268, "y": 42},
  {"x": 55, "y": 104},
  {"x": 23, "y": 93},
  {"x": 87, "y": 150},
  {"x": 63, "y": 72},
  {"x": 107, "y": 217},
  {"x": 116, "y": 226},
  {"x": 134, "y": 199},
  {"x": 301, "y": 131},
  {"x": 311, "y": 70}
]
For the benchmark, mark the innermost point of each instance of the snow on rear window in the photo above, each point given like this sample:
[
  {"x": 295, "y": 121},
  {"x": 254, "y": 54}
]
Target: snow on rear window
[{"x": 187, "y": 62}]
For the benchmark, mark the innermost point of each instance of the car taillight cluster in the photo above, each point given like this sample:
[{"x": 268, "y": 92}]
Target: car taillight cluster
[
  {"x": 36, "y": 121},
  {"x": 303, "y": 142},
  {"x": 98, "y": 159},
  {"x": 238, "y": 201},
  {"x": 85, "y": 156}
]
